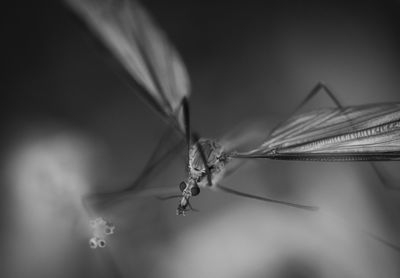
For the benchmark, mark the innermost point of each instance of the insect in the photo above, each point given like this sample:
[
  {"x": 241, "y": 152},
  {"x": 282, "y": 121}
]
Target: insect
[
  {"x": 155, "y": 70},
  {"x": 355, "y": 133}
]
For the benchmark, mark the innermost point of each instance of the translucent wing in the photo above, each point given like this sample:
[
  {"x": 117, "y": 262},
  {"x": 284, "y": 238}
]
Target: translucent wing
[
  {"x": 170, "y": 145},
  {"x": 368, "y": 132},
  {"x": 141, "y": 48}
]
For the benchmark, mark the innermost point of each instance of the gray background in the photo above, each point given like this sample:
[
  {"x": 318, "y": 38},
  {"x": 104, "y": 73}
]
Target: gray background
[{"x": 70, "y": 125}]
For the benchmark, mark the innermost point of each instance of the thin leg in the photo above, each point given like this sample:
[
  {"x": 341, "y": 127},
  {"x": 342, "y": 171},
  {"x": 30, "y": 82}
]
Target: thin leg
[
  {"x": 356, "y": 228},
  {"x": 192, "y": 208},
  {"x": 189, "y": 135},
  {"x": 388, "y": 185},
  {"x": 186, "y": 121},
  {"x": 101, "y": 201},
  {"x": 235, "y": 192},
  {"x": 374, "y": 167},
  {"x": 163, "y": 198},
  {"x": 234, "y": 168},
  {"x": 385, "y": 242},
  {"x": 157, "y": 157},
  {"x": 156, "y": 160},
  {"x": 321, "y": 87}
]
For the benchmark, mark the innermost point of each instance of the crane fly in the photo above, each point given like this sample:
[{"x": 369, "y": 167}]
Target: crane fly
[
  {"x": 155, "y": 69},
  {"x": 356, "y": 133}
]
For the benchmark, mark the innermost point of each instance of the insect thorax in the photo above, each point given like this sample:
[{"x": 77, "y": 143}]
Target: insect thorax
[{"x": 215, "y": 158}]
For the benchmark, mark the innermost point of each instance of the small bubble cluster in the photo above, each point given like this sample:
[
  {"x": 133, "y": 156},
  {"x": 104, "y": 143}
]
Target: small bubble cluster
[{"x": 101, "y": 229}]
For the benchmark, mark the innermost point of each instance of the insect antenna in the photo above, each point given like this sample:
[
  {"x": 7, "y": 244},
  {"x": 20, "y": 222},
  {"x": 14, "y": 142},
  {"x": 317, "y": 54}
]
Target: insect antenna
[{"x": 239, "y": 193}]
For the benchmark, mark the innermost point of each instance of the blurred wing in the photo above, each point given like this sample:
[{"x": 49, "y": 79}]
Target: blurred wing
[
  {"x": 368, "y": 132},
  {"x": 94, "y": 203},
  {"x": 141, "y": 48},
  {"x": 169, "y": 147},
  {"x": 247, "y": 134}
]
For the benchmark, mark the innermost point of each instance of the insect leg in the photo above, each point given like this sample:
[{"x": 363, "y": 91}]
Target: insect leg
[
  {"x": 246, "y": 195},
  {"x": 385, "y": 242},
  {"x": 321, "y": 87},
  {"x": 356, "y": 227},
  {"x": 163, "y": 198},
  {"x": 192, "y": 208},
  {"x": 382, "y": 178},
  {"x": 156, "y": 160},
  {"x": 374, "y": 167},
  {"x": 186, "y": 122},
  {"x": 334, "y": 99},
  {"x": 233, "y": 169}
]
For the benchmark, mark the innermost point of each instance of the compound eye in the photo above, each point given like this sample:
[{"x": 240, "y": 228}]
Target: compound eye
[
  {"x": 101, "y": 243},
  {"x": 182, "y": 186},
  {"x": 195, "y": 190}
]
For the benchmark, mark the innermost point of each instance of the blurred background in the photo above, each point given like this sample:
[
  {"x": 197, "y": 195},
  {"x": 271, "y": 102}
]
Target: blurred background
[{"x": 71, "y": 126}]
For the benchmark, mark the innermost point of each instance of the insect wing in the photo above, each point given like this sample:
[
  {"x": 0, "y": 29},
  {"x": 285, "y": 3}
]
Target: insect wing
[
  {"x": 168, "y": 148},
  {"x": 371, "y": 128},
  {"x": 243, "y": 136},
  {"x": 126, "y": 29}
]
